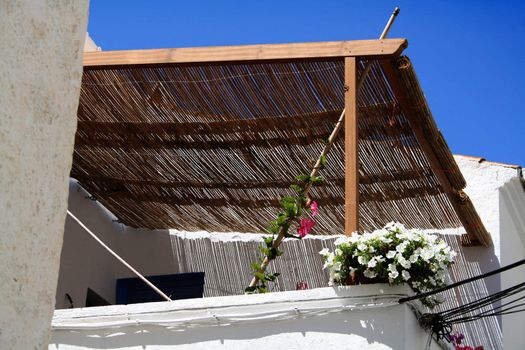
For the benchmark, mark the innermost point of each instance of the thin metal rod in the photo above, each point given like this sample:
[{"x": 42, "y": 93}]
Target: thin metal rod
[
  {"x": 389, "y": 23},
  {"x": 454, "y": 285},
  {"x": 164, "y": 296},
  {"x": 331, "y": 139},
  {"x": 382, "y": 36}
]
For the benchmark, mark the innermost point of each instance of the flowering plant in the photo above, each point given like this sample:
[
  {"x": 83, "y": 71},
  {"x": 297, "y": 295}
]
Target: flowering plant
[
  {"x": 394, "y": 254},
  {"x": 298, "y": 209},
  {"x": 456, "y": 340}
]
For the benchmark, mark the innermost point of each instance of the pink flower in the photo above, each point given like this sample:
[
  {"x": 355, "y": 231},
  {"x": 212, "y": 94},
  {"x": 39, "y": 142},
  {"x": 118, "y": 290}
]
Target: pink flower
[
  {"x": 305, "y": 227},
  {"x": 313, "y": 208},
  {"x": 301, "y": 285},
  {"x": 456, "y": 338}
]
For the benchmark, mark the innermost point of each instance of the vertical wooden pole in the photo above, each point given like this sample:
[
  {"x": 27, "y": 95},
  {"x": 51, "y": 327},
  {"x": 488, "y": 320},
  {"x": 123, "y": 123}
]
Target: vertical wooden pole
[{"x": 351, "y": 154}]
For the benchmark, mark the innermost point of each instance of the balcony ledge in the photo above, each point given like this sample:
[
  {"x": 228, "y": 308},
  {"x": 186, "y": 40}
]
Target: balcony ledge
[{"x": 368, "y": 316}]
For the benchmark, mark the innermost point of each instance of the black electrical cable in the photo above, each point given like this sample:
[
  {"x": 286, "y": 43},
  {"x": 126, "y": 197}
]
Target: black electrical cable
[
  {"x": 474, "y": 305},
  {"x": 441, "y": 323},
  {"x": 453, "y": 285}
]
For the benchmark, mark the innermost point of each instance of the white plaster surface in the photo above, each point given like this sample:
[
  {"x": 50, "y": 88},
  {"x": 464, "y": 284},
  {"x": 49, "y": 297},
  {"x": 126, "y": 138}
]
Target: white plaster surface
[
  {"x": 40, "y": 71},
  {"x": 360, "y": 317},
  {"x": 90, "y": 45},
  {"x": 85, "y": 264},
  {"x": 499, "y": 197},
  {"x": 512, "y": 219}
]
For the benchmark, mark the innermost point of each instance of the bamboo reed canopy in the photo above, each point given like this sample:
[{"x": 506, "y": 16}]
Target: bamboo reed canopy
[{"x": 211, "y": 138}]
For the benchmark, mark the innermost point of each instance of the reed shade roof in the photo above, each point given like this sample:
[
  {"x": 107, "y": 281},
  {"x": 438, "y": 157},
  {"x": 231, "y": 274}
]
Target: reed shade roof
[{"x": 215, "y": 146}]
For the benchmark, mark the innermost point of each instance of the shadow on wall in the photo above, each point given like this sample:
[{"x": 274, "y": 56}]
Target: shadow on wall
[
  {"x": 512, "y": 245},
  {"x": 85, "y": 264}
]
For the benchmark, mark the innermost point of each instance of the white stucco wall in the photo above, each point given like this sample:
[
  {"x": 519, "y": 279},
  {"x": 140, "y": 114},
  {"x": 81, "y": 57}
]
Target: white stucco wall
[
  {"x": 84, "y": 263},
  {"x": 40, "y": 71},
  {"x": 499, "y": 196},
  {"x": 512, "y": 218},
  {"x": 360, "y": 317}
]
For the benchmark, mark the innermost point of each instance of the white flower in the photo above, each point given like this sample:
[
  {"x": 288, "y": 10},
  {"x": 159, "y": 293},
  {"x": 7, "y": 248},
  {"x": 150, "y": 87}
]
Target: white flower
[
  {"x": 324, "y": 251},
  {"x": 405, "y": 274},
  {"x": 329, "y": 260},
  {"x": 393, "y": 275},
  {"x": 392, "y": 268},
  {"x": 386, "y": 239},
  {"x": 415, "y": 236},
  {"x": 404, "y": 262},
  {"x": 362, "y": 260},
  {"x": 401, "y": 247},
  {"x": 369, "y": 273},
  {"x": 354, "y": 238},
  {"x": 395, "y": 226},
  {"x": 372, "y": 263},
  {"x": 431, "y": 238},
  {"x": 402, "y": 257},
  {"x": 427, "y": 254},
  {"x": 341, "y": 240}
]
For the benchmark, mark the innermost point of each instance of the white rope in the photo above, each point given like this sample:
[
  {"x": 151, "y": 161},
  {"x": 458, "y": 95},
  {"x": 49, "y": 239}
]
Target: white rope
[{"x": 164, "y": 296}]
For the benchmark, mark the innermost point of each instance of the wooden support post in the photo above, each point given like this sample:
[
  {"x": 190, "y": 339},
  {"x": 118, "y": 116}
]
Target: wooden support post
[{"x": 351, "y": 151}]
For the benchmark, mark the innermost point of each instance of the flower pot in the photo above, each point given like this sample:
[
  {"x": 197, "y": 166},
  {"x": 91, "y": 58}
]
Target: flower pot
[{"x": 357, "y": 277}]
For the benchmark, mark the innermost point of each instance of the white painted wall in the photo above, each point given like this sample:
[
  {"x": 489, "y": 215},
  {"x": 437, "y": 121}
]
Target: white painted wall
[
  {"x": 40, "y": 71},
  {"x": 499, "y": 196},
  {"x": 84, "y": 263},
  {"x": 360, "y": 317},
  {"x": 512, "y": 218}
]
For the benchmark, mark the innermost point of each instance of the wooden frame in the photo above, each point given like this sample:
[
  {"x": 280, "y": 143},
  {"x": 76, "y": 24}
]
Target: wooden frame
[
  {"x": 383, "y": 51},
  {"x": 385, "y": 47},
  {"x": 351, "y": 148},
  {"x": 456, "y": 196}
]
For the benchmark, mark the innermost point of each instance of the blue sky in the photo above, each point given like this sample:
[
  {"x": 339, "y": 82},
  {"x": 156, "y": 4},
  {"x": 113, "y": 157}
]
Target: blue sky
[{"x": 469, "y": 55}]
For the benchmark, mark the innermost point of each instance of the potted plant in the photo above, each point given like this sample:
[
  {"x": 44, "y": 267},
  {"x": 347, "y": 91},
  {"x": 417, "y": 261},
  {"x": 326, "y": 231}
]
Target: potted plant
[{"x": 392, "y": 254}]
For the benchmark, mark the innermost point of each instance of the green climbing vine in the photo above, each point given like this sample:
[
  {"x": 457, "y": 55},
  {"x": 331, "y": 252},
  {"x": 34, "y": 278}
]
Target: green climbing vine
[{"x": 297, "y": 209}]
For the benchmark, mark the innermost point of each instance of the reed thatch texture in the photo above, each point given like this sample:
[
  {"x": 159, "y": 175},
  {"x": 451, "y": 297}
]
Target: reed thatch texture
[{"x": 215, "y": 146}]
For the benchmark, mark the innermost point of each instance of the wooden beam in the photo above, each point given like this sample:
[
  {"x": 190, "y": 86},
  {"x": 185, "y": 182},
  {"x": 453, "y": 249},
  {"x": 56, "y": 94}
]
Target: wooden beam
[
  {"x": 109, "y": 181},
  {"x": 455, "y": 195},
  {"x": 351, "y": 148},
  {"x": 385, "y": 47}
]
